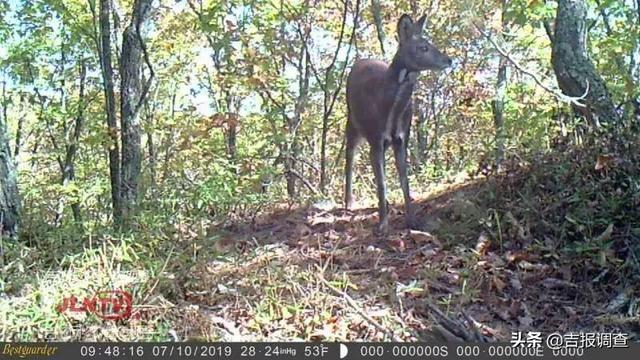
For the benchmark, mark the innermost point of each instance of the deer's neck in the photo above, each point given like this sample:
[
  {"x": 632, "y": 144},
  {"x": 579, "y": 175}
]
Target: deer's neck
[
  {"x": 399, "y": 87},
  {"x": 399, "y": 75}
]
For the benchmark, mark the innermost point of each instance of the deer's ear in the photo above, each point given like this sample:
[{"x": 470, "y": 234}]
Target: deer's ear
[
  {"x": 419, "y": 27},
  {"x": 405, "y": 28}
]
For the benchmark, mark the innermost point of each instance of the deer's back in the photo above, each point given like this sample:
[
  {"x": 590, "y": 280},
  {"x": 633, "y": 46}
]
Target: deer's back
[{"x": 370, "y": 95}]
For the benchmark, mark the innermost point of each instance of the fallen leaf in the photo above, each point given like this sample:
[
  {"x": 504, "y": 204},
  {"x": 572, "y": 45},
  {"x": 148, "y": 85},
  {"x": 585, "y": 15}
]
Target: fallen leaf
[
  {"x": 407, "y": 272},
  {"x": 503, "y": 314},
  {"x": 225, "y": 290},
  {"x": 604, "y": 162},
  {"x": 483, "y": 243},
  {"x": 428, "y": 252},
  {"x": 398, "y": 245},
  {"x": 301, "y": 230},
  {"x": 518, "y": 256},
  {"x": 498, "y": 284},
  {"x": 372, "y": 248},
  {"x": 569, "y": 310},
  {"x": 410, "y": 289},
  {"x": 494, "y": 259},
  {"x": 316, "y": 220},
  {"x": 224, "y": 244},
  {"x": 525, "y": 321},
  {"x": 606, "y": 234},
  {"x": 525, "y": 265},
  {"x": 619, "y": 301},
  {"x": 522, "y": 233},
  {"x": 439, "y": 286},
  {"x": 553, "y": 283},
  {"x": 515, "y": 283},
  {"x": 515, "y": 308},
  {"x": 421, "y": 236}
]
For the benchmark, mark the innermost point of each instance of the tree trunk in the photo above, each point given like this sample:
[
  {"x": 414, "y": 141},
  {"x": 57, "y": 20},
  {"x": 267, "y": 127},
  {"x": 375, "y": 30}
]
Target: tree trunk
[
  {"x": 572, "y": 66},
  {"x": 331, "y": 96},
  {"x": 4, "y": 121},
  {"x": 377, "y": 19},
  {"x": 132, "y": 96},
  {"x": 9, "y": 197},
  {"x": 498, "y": 111},
  {"x": 72, "y": 148},
  {"x": 301, "y": 104},
  {"x": 168, "y": 140},
  {"x": 421, "y": 136},
  {"x": 18, "y": 141},
  {"x": 323, "y": 149},
  {"x": 231, "y": 130},
  {"x": 110, "y": 107},
  {"x": 634, "y": 65},
  {"x": 498, "y": 101},
  {"x": 151, "y": 150}
]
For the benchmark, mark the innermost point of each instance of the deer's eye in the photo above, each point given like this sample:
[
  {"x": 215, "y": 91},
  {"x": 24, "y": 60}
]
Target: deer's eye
[{"x": 424, "y": 48}]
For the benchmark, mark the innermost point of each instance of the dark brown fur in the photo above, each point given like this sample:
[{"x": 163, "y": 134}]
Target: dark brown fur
[{"x": 379, "y": 108}]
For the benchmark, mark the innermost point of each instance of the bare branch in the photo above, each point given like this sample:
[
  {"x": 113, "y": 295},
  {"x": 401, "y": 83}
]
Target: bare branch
[
  {"x": 304, "y": 181},
  {"x": 551, "y": 90}
]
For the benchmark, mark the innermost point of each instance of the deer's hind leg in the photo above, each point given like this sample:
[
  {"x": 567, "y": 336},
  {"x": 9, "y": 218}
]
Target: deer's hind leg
[{"x": 377, "y": 162}]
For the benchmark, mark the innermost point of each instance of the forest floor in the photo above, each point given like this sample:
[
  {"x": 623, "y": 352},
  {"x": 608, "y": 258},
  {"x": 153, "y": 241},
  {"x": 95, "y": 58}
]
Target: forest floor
[
  {"x": 322, "y": 275},
  {"x": 549, "y": 245}
]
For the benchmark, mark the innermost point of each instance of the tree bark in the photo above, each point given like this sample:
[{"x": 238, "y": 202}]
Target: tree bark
[
  {"x": 9, "y": 197},
  {"x": 18, "y": 141},
  {"x": 132, "y": 94},
  {"x": 4, "y": 121},
  {"x": 573, "y": 68},
  {"x": 634, "y": 64},
  {"x": 231, "y": 132},
  {"x": 110, "y": 107}
]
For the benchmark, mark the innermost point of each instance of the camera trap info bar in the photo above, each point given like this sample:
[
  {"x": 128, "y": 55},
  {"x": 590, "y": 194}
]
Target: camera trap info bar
[{"x": 320, "y": 350}]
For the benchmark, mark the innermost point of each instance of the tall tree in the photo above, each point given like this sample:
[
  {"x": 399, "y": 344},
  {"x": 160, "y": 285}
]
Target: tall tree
[
  {"x": 104, "y": 51},
  {"x": 501, "y": 90},
  {"x": 574, "y": 70},
  {"x": 331, "y": 90},
  {"x": 71, "y": 146},
  {"x": 133, "y": 91},
  {"x": 9, "y": 197}
]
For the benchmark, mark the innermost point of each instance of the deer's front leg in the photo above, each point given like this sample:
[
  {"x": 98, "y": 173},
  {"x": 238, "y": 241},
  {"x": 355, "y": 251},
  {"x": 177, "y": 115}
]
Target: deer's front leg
[
  {"x": 377, "y": 161},
  {"x": 400, "y": 152}
]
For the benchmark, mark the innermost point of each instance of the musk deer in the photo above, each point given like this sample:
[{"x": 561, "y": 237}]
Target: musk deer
[{"x": 379, "y": 109}]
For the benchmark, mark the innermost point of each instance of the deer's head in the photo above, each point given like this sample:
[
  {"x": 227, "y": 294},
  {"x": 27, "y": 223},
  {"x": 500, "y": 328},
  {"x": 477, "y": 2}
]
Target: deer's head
[{"x": 415, "y": 51}]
